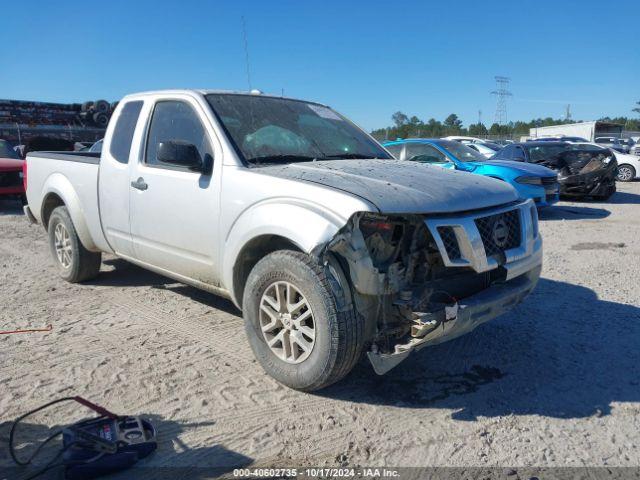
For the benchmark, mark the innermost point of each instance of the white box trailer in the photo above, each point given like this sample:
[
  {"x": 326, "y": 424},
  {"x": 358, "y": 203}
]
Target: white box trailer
[{"x": 588, "y": 130}]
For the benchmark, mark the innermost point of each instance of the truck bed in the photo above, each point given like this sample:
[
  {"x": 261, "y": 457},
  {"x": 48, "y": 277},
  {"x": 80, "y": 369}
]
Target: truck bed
[
  {"x": 82, "y": 157},
  {"x": 70, "y": 175}
]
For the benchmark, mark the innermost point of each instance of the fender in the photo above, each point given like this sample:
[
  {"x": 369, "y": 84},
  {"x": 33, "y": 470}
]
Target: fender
[
  {"x": 61, "y": 186},
  {"x": 303, "y": 223}
]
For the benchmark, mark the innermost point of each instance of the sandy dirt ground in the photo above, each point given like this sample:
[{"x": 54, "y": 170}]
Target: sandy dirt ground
[{"x": 554, "y": 383}]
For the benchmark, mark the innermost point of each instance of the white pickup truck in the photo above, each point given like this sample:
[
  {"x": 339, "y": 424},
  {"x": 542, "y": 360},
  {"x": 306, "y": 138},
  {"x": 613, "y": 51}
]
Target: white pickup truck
[{"x": 329, "y": 246}]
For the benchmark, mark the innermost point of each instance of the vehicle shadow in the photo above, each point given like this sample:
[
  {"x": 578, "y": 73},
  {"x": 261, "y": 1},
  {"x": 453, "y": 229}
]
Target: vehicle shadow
[
  {"x": 563, "y": 353},
  {"x": 572, "y": 213},
  {"x": 625, "y": 198},
  {"x": 125, "y": 274},
  {"x": 174, "y": 458}
]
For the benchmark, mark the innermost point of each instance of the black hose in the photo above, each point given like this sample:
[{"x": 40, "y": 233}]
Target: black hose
[{"x": 19, "y": 419}]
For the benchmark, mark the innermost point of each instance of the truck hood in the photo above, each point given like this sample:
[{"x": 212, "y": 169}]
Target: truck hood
[
  {"x": 524, "y": 168},
  {"x": 395, "y": 186}
]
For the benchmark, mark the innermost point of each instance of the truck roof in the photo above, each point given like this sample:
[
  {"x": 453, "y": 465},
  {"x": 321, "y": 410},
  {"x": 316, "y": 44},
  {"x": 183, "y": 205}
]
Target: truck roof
[{"x": 200, "y": 91}]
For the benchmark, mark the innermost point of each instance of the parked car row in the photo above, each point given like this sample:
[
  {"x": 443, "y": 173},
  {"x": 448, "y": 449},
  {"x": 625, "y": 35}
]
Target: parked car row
[
  {"x": 622, "y": 145},
  {"x": 530, "y": 181}
]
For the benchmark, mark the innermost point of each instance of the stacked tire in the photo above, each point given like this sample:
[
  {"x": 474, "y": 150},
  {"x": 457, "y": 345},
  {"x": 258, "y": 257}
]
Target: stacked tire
[{"x": 97, "y": 112}]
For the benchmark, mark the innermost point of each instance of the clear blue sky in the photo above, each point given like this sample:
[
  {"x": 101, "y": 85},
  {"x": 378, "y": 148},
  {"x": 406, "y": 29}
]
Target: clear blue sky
[{"x": 366, "y": 59}]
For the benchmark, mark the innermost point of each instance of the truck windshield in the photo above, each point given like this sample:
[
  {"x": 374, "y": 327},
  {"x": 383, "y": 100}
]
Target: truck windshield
[{"x": 279, "y": 130}]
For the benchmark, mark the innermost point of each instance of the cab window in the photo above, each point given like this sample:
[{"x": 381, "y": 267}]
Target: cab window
[{"x": 175, "y": 121}]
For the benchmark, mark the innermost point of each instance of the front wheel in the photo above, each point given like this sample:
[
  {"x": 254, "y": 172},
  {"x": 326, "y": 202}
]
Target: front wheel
[
  {"x": 75, "y": 263},
  {"x": 294, "y": 328},
  {"x": 626, "y": 173}
]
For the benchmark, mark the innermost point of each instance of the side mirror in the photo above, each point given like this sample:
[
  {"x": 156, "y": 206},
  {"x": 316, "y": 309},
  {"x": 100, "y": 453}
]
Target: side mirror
[{"x": 179, "y": 153}]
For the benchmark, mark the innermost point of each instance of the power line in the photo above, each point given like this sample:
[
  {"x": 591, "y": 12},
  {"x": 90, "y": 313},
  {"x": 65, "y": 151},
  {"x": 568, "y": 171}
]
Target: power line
[{"x": 501, "y": 92}]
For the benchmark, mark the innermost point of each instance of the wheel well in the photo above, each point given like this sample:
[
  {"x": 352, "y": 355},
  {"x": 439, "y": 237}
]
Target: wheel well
[
  {"x": 252, "y": 253},
  {"x": 51, "y": 202}
]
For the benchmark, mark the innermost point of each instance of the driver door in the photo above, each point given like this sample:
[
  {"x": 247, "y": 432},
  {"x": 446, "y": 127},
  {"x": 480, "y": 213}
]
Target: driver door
[
  {"x": 425, "y": 153},
  {"x": 174, "y": 210}
]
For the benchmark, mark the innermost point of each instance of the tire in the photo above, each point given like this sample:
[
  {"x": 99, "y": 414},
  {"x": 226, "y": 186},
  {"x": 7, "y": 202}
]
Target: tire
[
  {"x": 101, "y": 119},
  {"x": 75, "y": 263},
  {"x": 86, "y": 107},
  {"x": 338, "y": 336},
  {"x": 626, "y": 173},
  {"x": 102, "y": 106}
]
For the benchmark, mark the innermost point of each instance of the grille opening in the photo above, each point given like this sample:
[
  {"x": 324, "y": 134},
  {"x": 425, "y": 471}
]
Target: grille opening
[
  {"x": 499, "y": 232},
  {"x": 450, "y": 241}
]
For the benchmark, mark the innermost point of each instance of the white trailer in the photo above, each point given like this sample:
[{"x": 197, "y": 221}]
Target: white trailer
[{"x": 586, "y": 130}]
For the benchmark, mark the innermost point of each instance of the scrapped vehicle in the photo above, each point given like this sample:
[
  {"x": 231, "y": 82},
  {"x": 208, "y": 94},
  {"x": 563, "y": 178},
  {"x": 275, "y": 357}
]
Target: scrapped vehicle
[
  {"x": 463, "y": 139},
  {"x": 622, "y": 145},
  {"x": 628, "y": 166},
  {"x": 94, "y": 147},
  {"x": 531, "y": 181},
  {"x": 584, "y": 169},
  {"x": 558, "y": 139},
  {"x": 11, "y": 176},
  {"x": 329, "y": 246},
  {"x": 487, "y": 150},
  {"x": 485, "y": 147}
]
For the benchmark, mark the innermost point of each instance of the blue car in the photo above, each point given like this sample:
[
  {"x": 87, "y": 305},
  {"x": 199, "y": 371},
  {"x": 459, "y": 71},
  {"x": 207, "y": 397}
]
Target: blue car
[{"x": 531, "y": 181}]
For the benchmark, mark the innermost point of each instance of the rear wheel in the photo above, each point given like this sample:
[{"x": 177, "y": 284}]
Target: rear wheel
[
  {"x": 626, "y": 173},
  {"x": 75, "y": 263},
  {"x": 294, "y": 328}
]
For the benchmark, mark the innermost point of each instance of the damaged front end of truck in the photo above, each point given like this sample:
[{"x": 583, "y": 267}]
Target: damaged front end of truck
[{"x": 421, "y": 280}]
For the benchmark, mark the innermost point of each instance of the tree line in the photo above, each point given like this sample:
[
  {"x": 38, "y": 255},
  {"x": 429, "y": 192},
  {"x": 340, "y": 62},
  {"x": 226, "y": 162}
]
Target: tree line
[{"x": 404, "y": 126}]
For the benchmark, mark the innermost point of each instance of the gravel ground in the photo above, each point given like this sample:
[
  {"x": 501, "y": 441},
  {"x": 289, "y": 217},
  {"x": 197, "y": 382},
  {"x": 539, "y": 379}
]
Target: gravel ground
[{"x": 554, "y": 383}]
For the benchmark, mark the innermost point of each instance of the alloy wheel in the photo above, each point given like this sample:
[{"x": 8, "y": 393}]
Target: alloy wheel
[
  {"x": 62, "y": 244},
  {"x": 287, "y": 323},
  {"x": 624, "y": 174}
]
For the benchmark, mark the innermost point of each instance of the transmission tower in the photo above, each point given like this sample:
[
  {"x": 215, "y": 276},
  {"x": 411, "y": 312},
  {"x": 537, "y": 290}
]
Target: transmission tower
[
  {"x": 502, "y": 92},
  {"x": 567, "y": 115}
]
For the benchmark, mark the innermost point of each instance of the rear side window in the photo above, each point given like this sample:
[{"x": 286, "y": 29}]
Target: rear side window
[
  {"x": 123, "y": 132},
  {"x": 420, "y": 152}
]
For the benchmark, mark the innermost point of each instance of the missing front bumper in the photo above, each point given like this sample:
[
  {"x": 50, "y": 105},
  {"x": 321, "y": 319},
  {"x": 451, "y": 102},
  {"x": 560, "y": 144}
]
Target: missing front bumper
[{"x": 472, "y": 311}]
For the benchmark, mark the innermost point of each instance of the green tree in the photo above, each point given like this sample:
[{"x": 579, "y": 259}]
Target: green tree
[
  {"x": 399, "y": 119},
  {"x": 636, "y": 109},
  {"x": 453, "y": 123},
  {"x": 476, "y": 129}
]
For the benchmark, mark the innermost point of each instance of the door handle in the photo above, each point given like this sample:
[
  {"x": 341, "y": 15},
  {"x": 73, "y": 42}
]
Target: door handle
[{"x": 139, "y": 184}]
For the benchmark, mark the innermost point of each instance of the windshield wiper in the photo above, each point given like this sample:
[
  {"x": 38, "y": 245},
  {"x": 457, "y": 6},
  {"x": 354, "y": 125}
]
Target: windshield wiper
[{"x": 280, "y": 159}]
